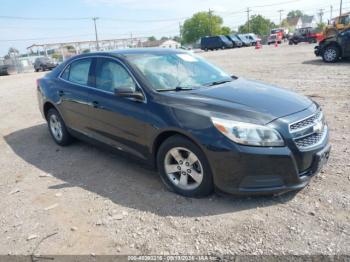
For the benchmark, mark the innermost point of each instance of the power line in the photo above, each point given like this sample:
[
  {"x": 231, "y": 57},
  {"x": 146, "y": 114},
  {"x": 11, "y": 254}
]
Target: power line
[
  {"x": 41, "y": 38},
  {"x": 43, "y": 18}
]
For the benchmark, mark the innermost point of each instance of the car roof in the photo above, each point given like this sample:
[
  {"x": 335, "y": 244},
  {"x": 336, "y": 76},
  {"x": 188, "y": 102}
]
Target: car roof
[{"x": 133, "y": 51}]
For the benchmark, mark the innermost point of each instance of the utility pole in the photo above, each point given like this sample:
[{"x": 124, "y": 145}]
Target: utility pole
[
  {"x": 248, "y": 17},
  {"x": 180, "y": 30},
  {"x": 131, "y": 40},
  {"x": 210, "y": 14},
  {"x": 96, "y": 35},
  {"x": 321, "y": 15},
  {"x": 341, "y": 7},
  {"x": 331, "y": 13},
  {"x": 280, "y": 11}
]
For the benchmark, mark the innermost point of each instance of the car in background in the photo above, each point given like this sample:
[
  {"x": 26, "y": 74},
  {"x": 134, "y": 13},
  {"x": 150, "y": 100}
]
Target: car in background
[
  {"x": 234, "y": 39},
  {"x": 274, "y": 38},
  {"x": 253, "y": 38},
  {"x": 304, "y": 35},
  {"x": 43, "y": 64},
  {"x": 281, "y": 33},
  {"x": 334, "y": 47},
  {"x": 246, "y": 41},
  {"x": 215, "y": 43},
  {"x": 6, "y": 68}
]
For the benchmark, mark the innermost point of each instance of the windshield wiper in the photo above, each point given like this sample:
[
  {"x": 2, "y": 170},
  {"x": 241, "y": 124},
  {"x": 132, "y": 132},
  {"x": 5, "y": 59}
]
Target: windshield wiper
[
  {"x": 218, "y": 82},
  {"x": 178, "y": 88}
]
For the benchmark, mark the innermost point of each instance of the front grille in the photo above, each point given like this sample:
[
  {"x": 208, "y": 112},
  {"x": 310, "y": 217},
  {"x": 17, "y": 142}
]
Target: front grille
[
  {"x": 310, "y": 140},
  {"x": 305, "y": 122}
]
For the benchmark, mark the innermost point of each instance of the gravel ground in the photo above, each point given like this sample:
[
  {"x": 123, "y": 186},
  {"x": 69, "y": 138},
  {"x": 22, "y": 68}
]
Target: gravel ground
[{"x": 83, "y": 200}]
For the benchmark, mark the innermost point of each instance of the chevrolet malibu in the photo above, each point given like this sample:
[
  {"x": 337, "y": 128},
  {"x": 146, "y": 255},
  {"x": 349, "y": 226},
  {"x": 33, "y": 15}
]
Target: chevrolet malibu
[{"x": 201, "y": 128}]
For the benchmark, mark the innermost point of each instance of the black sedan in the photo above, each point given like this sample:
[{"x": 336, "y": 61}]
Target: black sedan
[
  {"x": 198, "y": 126},
  {"x": 335, "y": 47}
]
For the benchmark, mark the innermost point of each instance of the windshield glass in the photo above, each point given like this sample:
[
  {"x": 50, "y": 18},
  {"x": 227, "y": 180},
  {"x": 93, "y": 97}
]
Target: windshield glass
[
  {"x": 243, "y": 37},
  {"x": 177, "y": 70},
  {"x": 233, "y": 37}
]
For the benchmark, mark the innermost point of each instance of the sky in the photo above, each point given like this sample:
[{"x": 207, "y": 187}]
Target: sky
[{"x": 27, "y": 22}]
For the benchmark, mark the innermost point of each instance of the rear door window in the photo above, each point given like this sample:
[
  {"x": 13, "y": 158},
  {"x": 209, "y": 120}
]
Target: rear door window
[{"x": 79, "y": 71}]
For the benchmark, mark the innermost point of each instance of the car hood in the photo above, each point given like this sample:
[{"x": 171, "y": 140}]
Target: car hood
[{"x": 241, "y": 100}]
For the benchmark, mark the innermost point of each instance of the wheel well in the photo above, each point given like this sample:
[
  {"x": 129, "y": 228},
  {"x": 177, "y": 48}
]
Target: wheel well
[
  {"x": 47, "y": 107},
  {"x": 161, "y": 138},
  {"x": 336, "y": 44}
]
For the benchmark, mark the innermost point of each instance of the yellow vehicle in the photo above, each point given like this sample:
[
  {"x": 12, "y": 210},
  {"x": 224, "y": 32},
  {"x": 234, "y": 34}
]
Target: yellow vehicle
[{"x": 337, "y": 24}]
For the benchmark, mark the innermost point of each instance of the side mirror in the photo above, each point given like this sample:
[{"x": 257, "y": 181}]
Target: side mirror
[{"x": 128, "y": 91}]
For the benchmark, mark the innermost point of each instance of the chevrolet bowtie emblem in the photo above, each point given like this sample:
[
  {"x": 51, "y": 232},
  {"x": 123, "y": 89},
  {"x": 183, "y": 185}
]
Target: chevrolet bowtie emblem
[{"x": 318, "y": 127}]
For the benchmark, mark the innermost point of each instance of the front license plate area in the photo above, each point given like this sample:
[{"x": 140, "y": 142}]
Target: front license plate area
[{"x": 321, "y": 159}]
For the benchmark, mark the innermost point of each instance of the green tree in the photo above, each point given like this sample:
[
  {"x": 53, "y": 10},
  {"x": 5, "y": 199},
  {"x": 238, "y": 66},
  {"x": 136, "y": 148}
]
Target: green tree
[
  {"x": 177, "y": 39},
  {"x": 152, "y": 38},
  {"x": 164, "y": 38},
  {"x": 258, "y": 25},
  {"x": 13, "y": 51},
  {"x": 225, "y": 30},
  {"x": 57, "y": 56},
  {"x": 295, "y": 13},
  {"x": 320, "y": 27},
  {"x": 201, "y": 24}
]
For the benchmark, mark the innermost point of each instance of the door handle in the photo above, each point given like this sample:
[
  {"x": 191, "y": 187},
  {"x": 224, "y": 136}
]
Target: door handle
[
  {"x": 95, "y": 104},
  {"x": 61, "y": 93}
]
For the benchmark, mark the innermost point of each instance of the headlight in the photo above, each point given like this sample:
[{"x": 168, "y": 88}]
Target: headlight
[{"x": 248, "y": 134}]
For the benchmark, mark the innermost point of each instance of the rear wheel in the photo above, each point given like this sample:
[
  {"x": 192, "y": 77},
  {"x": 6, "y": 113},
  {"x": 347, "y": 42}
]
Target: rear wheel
[
  {"x": 331, "y": 54},
  {"x": 57, "y": 128},
  {"x": 184, "y": 168}
]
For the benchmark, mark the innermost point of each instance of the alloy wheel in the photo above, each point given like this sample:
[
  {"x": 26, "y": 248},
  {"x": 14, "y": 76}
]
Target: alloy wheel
[
  {"x": 56, "y": 127},
  {"x": 330, "y": 54},
  {"x": 183, "y": 168}
]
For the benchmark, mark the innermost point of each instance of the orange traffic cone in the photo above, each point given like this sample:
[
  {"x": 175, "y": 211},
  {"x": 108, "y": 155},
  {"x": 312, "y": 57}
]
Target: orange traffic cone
[
  {"x": 258, "y": 45},
  {"x": 276, "y": 44}
]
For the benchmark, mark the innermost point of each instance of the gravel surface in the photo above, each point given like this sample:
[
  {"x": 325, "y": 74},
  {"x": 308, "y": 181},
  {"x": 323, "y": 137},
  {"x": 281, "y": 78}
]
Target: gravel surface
[{"x": 86, "y": 200}]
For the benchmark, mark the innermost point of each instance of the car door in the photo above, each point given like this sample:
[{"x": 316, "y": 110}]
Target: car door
[
  {"x": 117, "y": 121},
  {"x": 73, "y": 89},
  {"x": 345, "y": 42}
]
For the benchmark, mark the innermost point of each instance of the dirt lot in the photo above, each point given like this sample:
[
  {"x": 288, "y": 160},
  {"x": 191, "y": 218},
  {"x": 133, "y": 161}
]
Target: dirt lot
[{"x": 86, "y": 200}]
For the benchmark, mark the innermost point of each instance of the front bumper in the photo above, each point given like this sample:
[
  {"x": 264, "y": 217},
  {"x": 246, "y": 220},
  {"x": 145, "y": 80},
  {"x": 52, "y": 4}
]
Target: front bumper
[
  {"x": 255, "y": 170},
  {"x": 239, "y": 169},
  {"x": 317, "y": 51}
]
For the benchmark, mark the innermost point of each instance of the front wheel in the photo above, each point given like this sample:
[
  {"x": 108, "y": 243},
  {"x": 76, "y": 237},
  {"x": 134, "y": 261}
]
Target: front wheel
[
  {"x": 57, "y": 128},
  {"x": 330, "y": 54},
  {"x": 184, "y": 168}
]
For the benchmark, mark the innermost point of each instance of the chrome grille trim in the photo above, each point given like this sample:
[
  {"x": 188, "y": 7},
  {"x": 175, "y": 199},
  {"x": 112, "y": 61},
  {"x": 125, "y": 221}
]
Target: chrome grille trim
[
  {"x": 313, "y": 140},
  {"x": 305, "y": 122}
]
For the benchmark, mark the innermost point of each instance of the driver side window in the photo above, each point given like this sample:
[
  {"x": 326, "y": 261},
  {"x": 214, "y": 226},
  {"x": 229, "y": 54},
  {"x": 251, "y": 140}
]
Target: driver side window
[{"x": 110, "y": 75}]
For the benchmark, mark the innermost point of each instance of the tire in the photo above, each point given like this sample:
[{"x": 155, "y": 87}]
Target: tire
[
  {"x": 183, "y": 169},
  {"x": 57, "y": 128},
  {"x": 331, "y": 54},
  {"x": 36, "y": 70}
]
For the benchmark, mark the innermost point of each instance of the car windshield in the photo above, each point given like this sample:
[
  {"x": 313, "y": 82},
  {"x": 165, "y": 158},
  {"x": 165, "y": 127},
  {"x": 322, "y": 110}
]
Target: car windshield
[
  {"x": 243, "y": 37},
  {"x": 233, "y": 37},
  {"x": 45, "y": 59},
  {"x": 275, "y": 31},
  {"x": 177, "y": 71}
]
